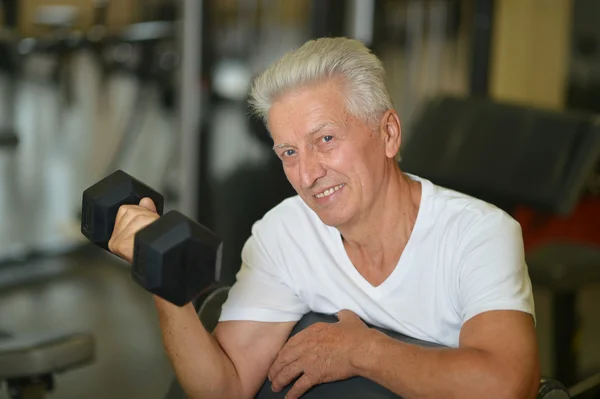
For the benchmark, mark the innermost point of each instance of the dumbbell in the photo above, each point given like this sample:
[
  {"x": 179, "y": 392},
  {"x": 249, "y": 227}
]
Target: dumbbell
[{"x": 175, "y": 257}]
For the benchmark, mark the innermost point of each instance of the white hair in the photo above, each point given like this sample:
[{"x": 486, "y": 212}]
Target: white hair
[{"x": 361, "y": 73}]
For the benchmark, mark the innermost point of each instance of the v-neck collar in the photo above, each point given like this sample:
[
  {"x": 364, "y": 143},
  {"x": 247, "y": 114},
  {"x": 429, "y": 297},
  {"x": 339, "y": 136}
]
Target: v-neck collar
[{"x": 405, "y": 258}]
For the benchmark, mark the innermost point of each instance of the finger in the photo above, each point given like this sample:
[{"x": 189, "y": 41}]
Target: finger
[
  {"x": 121, "y": 221},
  {"x": 295, "y": 346},
  {"x": 138, "y": 222},
  {"x": 299, "y": 388},
  {"x": 121, "y": 215},
  {"x": 123, "y": 247},
  {"x": 123, "y": 242},
  {"x": 129, "y": 213},
  {"x": 287, "y": 374},
  {"x": 286, "y": 356},
  {"x": 124, "y": 216},
  {"x": 148, "y": 204},
  {"x": 299, "y": 338},
  {"x": 347, "y": 315}
]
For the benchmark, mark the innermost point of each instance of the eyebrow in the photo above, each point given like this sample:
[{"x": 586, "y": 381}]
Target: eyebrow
[{"x": 312, "y": 132}]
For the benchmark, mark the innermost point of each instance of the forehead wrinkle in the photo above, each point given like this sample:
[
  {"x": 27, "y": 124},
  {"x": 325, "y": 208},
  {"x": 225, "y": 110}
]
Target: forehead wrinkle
[
  {"x": 310, "y": 133},
  {"x": 321, "y": 114}
]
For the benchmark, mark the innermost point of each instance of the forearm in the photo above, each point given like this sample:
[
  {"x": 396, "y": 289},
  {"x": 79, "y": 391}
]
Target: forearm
[
  {"x": 203, "y": 369},
  {"x": 418, "y": 372}
]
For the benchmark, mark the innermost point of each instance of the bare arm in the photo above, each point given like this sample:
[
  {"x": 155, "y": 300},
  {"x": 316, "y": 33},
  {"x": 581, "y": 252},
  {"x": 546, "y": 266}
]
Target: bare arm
[
  {"x": 230, "y": 363},
  {"x": 497, "y": 358}
]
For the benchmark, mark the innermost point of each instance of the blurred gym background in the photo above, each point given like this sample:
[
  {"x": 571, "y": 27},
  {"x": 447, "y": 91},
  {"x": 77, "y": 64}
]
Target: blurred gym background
[{"x": 158, "y": 88}]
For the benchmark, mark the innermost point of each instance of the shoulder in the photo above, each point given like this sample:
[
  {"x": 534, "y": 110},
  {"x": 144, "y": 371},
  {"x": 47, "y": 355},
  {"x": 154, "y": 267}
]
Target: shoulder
[
  {"x": 479, "y": 235},
  {"x": 290, "y": 224},
  {"x": 289, "y": 216},
  {"x": 279, "y": 239},
  {"x": 468, "y": 216}
]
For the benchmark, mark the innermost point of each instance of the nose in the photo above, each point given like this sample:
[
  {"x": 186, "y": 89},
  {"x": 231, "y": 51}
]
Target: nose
[{"x": 310, "y": 169}]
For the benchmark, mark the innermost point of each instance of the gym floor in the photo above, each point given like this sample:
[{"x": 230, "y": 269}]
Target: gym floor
[
  {"x": 86, "y": 289},
  {"x": 90, "y": 291}
]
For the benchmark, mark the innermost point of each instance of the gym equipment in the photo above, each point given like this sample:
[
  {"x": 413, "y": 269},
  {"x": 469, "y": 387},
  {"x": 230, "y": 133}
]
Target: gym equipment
[
  {"x": 503, "y": 153},
  {"x": 356, "y": 387},
  {"x": 517, "y": 156},
  {"x": 147, "y": 51},
  {"x": 28, "y": 362},
  {"x": 101, "y": 203},
  {"x": 8, "y": 135},
  {"x": 175, "y": 257}
]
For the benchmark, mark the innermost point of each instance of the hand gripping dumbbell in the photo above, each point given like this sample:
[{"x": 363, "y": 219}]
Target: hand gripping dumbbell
[{"x": 174, "y": 257}]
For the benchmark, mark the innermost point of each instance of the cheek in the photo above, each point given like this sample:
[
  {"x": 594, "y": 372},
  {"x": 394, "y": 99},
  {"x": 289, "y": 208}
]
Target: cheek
[
  {"x": 291, "y": 173},
  {"x": 341, "y": 159},
  {"x": 367, "y": 166}
]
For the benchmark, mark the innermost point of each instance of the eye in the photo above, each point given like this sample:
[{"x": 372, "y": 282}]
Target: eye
[
  {"x": 327, "y": 138},
  {"x": 288, "y": 153}
]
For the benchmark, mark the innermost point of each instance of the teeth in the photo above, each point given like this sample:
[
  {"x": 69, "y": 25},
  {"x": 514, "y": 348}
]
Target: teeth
[{"x": 328, "y": 192}]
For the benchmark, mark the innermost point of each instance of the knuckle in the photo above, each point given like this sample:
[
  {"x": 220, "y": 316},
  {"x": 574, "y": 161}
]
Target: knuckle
[
  {"x": 285, "y": 357},
  {"x": 306, "y": 383},
  {"x": 293, "y": 341},
  {"x": 278, "y": 381},
  {"x": 283, "y": 375},
  {"x": 282, "y": 356},
  {"x": 305, "y": 380},
  {"x": 120, "y": 247},
  {"x": 320, "y": 325},
  {"x": 122, "y": 211},
  {"x": 144, "y": 218},
  {"x": 300, "y": 387},
  {"x": 116, "y": 247}
]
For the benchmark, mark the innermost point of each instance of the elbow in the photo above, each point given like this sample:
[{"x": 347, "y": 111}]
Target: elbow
[
  {"x": 519, "y": 385},
  {"x": 504, "y": 389},
  {"x": 521, "y": 390}
]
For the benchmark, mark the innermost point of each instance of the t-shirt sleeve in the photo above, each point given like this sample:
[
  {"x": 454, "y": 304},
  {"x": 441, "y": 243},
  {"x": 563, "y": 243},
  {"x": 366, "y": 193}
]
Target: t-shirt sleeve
[
  {"x": 493, "y": 272},
  {"x": 261, "y": 291}
]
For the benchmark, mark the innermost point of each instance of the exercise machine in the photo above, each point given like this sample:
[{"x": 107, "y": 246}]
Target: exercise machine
[
  {"x": 30, "y": 362},
  {"x": 516, "y": 157}
]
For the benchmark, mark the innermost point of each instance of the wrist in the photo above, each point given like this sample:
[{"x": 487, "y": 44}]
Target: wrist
[
  {"x": 364, "y": 356},
  {"x": 165, "y": 307}
]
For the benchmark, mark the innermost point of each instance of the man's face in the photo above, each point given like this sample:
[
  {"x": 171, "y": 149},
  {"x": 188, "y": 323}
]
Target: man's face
[{"x": 334, "y": 161}]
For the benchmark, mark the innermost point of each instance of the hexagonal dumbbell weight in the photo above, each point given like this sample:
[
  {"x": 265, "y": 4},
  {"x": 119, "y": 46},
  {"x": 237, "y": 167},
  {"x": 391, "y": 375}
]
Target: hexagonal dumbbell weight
[
  {"x": 102, "y": 201},
  {"x": 175, "y": 257}
]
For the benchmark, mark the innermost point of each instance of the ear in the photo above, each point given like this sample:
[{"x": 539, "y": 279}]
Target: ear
[{"x": 391, "y": 132}]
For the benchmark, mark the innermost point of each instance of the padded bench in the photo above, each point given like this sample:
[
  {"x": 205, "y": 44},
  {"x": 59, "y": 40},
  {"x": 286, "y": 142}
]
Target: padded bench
[
  {"x": 356, "y": 387},
  {"x": 28, "y": 362},
  {"x": 564, "y": 269}
]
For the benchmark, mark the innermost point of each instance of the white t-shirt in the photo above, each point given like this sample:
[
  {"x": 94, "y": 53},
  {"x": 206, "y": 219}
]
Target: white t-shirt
[{"x": 464, "y": 257}]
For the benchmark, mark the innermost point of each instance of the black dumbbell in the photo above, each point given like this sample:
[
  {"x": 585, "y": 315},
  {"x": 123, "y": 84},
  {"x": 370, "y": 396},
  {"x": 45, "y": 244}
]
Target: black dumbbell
[{"x": 174, "y": 257}]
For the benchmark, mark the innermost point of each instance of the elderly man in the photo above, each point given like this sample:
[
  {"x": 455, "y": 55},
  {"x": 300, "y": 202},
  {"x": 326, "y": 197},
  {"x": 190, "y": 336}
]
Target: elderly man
[{"x": 364, "y": 241}]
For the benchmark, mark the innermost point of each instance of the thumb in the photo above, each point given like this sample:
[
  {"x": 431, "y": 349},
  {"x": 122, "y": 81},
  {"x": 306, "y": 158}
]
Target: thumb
[
  {"x": 148, "y": 204},
  {"x": 347, "y": 315}
]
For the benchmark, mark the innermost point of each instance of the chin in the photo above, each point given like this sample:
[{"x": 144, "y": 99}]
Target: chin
[
  {"x": 333, "y": 215},
  {"x": 332, "y": 219}
]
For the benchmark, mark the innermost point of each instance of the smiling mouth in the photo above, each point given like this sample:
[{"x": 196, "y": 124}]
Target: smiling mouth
[{"x": 329, "y": 191}]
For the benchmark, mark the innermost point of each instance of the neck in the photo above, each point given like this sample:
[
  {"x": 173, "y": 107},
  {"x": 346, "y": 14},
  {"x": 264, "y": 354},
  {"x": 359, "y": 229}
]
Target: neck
[{"x": 381, "y": 232}]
